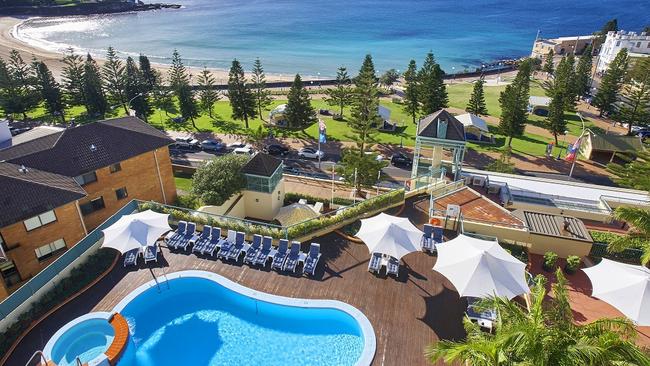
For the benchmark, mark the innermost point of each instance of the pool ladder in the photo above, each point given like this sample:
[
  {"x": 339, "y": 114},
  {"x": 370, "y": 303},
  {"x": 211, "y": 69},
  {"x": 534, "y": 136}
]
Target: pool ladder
[{"x": 41, "y": 362}]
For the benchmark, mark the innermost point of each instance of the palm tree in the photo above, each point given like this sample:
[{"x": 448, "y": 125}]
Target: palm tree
[
  {"x": 639, "y": 219},
  {"x": 545, "y": 335}
]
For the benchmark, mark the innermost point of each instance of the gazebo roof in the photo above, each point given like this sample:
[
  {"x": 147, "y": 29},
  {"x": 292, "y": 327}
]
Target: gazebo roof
[
  {"x": 428, "y": 126},
  {"x": 261, "y": 164},
  {"x": 469, "y": 119}
]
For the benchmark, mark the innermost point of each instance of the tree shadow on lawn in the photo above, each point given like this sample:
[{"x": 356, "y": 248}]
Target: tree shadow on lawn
[
  {"x": 478, "y": 159},
  {"x": 228, "y": 127}
]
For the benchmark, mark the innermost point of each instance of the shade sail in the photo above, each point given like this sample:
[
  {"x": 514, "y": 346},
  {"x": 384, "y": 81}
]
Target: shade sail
[
  {"x": 624, "y": 286},
  {"x": 391, "y": 235},
  {"x": 481, "y": 268},
  {"x": 295, "y": 213},
  {"x": 135, "y": 231}
]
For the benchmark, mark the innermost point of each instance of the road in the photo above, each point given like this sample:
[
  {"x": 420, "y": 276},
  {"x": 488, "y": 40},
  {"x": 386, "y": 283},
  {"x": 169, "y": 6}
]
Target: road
[{"x": 293, "y": 164}]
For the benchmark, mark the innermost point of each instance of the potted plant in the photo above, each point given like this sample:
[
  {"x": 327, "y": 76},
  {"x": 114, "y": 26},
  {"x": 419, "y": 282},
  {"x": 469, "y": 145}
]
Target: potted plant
[
  {"x": 572, "y": 264},
  {"x": 550, "y": 260}
]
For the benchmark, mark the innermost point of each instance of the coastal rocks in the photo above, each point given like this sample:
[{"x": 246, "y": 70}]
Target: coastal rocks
[{"x": 84, "y": 9}]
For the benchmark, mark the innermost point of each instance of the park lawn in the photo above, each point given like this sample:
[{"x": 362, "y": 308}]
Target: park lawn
[{"x": 221, "y": 122}]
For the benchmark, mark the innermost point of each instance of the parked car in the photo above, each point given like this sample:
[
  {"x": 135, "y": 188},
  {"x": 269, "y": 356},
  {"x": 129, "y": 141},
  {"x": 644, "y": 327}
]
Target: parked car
[
  {"x": 401, "y": 159},
  {"x": 378, "y": 157},
  {"x": 187, "y": 143},
  {"x": 643, "y": 134},
  {"x": 311, "y": 153},
  {"x": 212, "y": 145},
  {"x": 237, "y": 144},
  {"x": 247, "y": 150},
  {"x": 291, "y": 170},
  {"x": 276, "y": 149},
  {"x": 325, "y": 112}
]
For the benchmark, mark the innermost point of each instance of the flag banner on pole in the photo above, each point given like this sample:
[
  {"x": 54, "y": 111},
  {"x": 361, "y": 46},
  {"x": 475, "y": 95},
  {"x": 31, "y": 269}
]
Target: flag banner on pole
[
  {"x": 572, "y": 151},
  {"x": 322, "y": 137}
]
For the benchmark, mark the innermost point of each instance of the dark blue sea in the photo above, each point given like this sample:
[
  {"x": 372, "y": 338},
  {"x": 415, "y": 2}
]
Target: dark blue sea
[{"x": 314, "y": 37}]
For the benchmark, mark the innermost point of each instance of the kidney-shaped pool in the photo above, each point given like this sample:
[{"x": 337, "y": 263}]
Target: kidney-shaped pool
[{"x": 200, "y": 318}]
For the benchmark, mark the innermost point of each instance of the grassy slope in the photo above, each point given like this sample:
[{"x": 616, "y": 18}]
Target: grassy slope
[{"x": 338, "y": 131}]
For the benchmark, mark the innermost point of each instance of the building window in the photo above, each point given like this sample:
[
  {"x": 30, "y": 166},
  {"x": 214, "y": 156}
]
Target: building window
[
  {"x": 48, "y": 250},
  {"x": 638, "y": 45},
  {"x": 121, "y": 193},
  {"x": 40, "y": 220},
  {"x": 86, "y": 178},
  {"x": 92, "y": 206},
  {"x": 9, "y": 273},
  {"x": 115, "y": 168}
]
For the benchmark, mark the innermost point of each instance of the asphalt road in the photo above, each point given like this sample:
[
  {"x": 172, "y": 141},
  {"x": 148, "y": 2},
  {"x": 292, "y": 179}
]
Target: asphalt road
[{"x": 293, "y": 164}]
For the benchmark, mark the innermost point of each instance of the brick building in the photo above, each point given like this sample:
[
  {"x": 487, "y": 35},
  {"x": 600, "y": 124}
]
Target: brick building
[{"x": 57, "y": 186}]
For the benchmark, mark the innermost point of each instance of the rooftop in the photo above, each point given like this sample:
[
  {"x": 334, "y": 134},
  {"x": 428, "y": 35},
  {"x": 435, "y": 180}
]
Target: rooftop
[
  {"x": 27, "y": 192},
  {"x": 615, "y": 143},
  {"x": 34, "y": 133},
  {"x": 74, "y": 151},
  {"x": 535, "y": 100},
  {"x": 555, "y": 225},
  {"x": 428, "y": 126},
  {"x": 262, "y": 164}
]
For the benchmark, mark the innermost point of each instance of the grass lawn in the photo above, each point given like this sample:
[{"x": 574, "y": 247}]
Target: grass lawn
[
  {"x": 338, "y": 130},
  {"x": 183, "y": 183}
]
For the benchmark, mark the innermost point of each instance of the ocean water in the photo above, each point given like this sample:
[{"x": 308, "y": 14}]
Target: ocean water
[{"x": 314, "y": 37}]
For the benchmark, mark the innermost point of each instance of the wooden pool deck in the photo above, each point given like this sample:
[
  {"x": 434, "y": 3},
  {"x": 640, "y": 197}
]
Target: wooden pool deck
[{"x": 407, "y": 313}]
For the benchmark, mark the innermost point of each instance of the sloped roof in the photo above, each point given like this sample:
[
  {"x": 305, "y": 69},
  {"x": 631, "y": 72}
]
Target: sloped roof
[
  {"x": 615, "y": 143},
  {"x": 535, "y": 100},
  {"x": 261, "y": 164},
  {"x": 28, "y": 192},
  {"x": 469, "y": 119},
  {"x": 85, "y": 148},
  {"x": 555, "y": 225},
  {"x": 428, "y": 126}
]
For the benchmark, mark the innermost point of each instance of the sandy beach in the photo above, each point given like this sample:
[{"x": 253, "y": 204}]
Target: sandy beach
[{"x": 53, "y": 60}]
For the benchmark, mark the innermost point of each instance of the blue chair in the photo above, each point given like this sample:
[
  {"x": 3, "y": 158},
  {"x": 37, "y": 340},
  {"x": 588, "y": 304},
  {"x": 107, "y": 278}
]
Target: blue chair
[
  {"x": 265, "y": 252},
  {"x": 184, "y": 241},
  {"x": 312, "y": 259},
  {"x": 293, "y": 258},
  {"x": 280, "y": 255},
  {"x": 374, "y": 264},
  {"x": 172, "y": 237},
  {"x": 240, "y": 246},
  {"x": 202, "y": 240},
  {"x": 214, "y": 243},
  {"x": 131, "y": 257},
  {"x": 256, "y": 245}
]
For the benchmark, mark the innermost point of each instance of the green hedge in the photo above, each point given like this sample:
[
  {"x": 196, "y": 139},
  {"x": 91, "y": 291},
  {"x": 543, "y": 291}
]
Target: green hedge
[
  {"x": 206, "y": 219},
  {"x": 608, "y": 237},
  {"x": 79, "y": 277},
  {"x": 290, "y": 198}
]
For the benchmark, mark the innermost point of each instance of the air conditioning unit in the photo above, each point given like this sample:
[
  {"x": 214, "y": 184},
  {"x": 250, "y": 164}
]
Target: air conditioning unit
[
  {"x": 453, "y": 210},
  {"x": 478, "y": 181},
  {"x": 494, "y": 188}
]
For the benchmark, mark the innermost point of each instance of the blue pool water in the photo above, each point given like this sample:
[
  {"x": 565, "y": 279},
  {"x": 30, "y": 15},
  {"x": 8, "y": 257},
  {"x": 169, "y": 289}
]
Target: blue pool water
[
  {"x": 199, "y": 322},
  {"x": 87, "y": 340},
  {"x": 312, "y": 37}
]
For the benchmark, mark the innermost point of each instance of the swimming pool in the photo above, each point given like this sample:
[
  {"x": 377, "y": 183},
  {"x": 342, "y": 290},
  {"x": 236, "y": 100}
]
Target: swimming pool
[
  {"x": 201, "y": 318},
  {"x": 86, "y": 337}
]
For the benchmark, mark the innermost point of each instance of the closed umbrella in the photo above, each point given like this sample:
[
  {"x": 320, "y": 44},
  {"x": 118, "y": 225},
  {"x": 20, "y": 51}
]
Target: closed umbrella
[
  {"x": 135, "y": 231},
  {"x": 481, "y": 268},
  {"x": 624, "y": 286},
  {"x": 391, "y": 235}
]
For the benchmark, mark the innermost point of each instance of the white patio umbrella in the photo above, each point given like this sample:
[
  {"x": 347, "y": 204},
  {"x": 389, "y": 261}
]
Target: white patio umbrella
[
  {"x": 481, "y": 268},
  {"x": 135, "y": 231},
  {"x": 624, "y": 286},
  {"x": 391, "y": 235}
]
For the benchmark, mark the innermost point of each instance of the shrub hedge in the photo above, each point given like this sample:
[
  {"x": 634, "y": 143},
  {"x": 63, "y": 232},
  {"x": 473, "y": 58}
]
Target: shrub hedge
[
  {"x": 79, "y": 277},
  {"x": 608, "y": 237},
  {"x": 290, "y": 232}
]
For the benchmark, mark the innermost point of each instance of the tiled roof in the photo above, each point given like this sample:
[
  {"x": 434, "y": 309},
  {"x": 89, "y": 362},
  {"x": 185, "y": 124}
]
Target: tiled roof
[
  {"x": 85, "y": 148},
  {"x": 25, "y": 193},
  {"x": 428, "y": 126},
  {"x": 262, "y": 164}
]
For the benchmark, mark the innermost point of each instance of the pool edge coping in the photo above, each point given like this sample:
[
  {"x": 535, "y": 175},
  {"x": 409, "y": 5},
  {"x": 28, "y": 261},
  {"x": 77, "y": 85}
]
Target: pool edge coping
[
  {"x": 47, "y": 350},
  {"x": 369, "y": 338}
]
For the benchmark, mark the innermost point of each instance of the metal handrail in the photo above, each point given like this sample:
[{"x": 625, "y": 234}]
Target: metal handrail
[{"x": 37, "y": 353}]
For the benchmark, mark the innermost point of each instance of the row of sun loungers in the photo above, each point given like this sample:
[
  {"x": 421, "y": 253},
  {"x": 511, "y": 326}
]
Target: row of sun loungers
[
  {"x": 234, "y": 245},
  {"x": 378, "y": 260}
]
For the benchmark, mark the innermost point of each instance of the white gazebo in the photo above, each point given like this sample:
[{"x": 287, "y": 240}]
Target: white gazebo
[
  {"x": 473, "y": 124},
  {"x": 624, "y": 286},
  {"x": 136, "y": 231},
  {"x": 390, "y": 235},
  {"x": 481, "y": 268}
]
